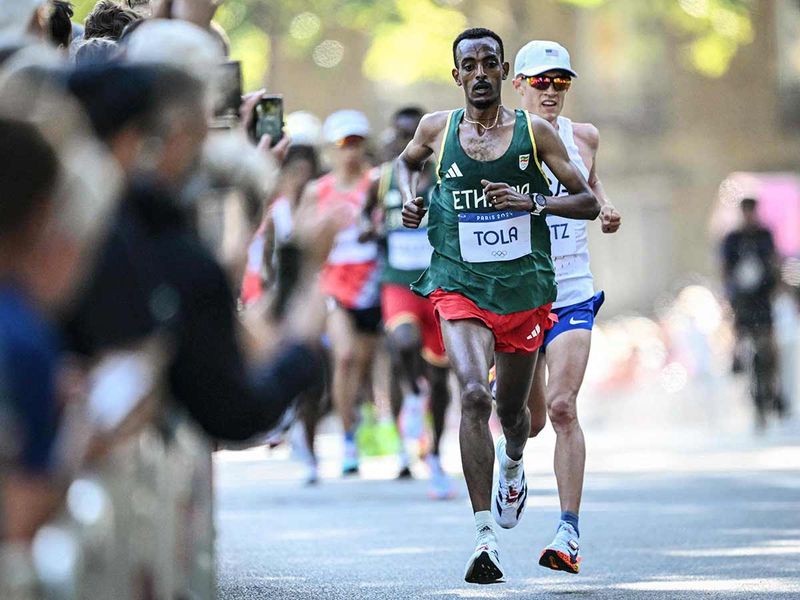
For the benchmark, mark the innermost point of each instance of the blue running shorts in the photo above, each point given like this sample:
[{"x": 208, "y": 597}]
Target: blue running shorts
[{"x": 575, "y": 316}]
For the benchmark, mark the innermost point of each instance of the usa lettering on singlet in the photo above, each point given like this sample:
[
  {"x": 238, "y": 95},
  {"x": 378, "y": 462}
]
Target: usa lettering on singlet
[{"x": 569, "y": 240}]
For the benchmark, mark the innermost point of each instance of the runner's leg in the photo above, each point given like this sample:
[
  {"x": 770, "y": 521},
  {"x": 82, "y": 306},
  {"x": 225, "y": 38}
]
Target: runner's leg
[
  {"x": 514, "y": 377},
  {"x": 352, "y": 357},
  {"x": 536, "y": 399},
  {"x": 406, "y": 342},
  {"x": 341, "y": 330},
  {"x": 470, "y": 347},
  {"x": 567, "y": 356},
  {"x": 440, "y": 400}
]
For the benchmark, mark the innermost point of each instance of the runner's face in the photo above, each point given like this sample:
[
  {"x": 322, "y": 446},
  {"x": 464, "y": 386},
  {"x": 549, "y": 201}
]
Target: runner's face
[
  {"x": 480, "y": 71},
  {"x": 548, "y": 103},
  {"x": 351, "y": 152},
  {"x": 404, "y": 129}
]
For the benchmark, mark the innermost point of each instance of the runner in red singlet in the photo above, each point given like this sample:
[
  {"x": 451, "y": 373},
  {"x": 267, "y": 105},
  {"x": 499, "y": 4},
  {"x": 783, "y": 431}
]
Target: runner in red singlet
[{"x": 350, "y": 277}]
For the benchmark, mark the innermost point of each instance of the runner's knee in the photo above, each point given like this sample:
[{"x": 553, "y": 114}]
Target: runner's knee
[
  {"x": 345, "y": 359},
  {"x": 563, "y": 412},
  {"x": 538, "y": 421},
  {"x": 476, "y": 400},
  {"x": 510, "y": 418},
  {"x": 405, "y": 338}
]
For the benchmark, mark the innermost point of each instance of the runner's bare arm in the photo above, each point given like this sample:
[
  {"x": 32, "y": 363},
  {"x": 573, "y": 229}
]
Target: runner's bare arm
[
  {"x": 411, "y": 162},
  {"x": 368, "y": 230},
  {"x": 588, "y": 137},
  {"x": 269, "y": 250},
  {"x": 308, "y": 197},
  {"x": 581, "y": 202}
]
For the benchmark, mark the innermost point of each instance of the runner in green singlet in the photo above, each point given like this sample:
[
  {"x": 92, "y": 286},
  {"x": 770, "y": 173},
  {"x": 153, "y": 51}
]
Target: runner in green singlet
[
  {"x": 491, "y": 276},
  {"x": 419, "y": 365}
]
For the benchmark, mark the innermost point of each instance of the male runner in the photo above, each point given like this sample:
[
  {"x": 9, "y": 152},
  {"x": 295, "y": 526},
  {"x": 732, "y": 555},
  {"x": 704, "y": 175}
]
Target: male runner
[
  {"x": 350, "y": 275},
  {"x": 418, "y": 354},
  {"x": 543, "y": 75},
  {"x": 491, "y": 276}
]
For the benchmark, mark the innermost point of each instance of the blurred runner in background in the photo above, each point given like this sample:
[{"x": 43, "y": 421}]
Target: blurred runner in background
[
  {"x": 350, "y": 277},
  {"x": 750, "y": 273},
  {"x": 543, "y": 75},
  {"x": 419, "y": 363}
]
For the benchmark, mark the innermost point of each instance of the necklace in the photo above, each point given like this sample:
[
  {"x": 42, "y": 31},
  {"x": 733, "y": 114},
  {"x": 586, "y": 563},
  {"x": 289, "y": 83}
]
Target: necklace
[{"x": 485, "y": 128}]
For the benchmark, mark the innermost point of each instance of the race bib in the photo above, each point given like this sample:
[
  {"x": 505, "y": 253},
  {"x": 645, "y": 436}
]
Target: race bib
[
  {"x": 348, "y": 250},
  {"x": 409, "y": 250},
  {"x": 494, "y": 237},
  {"x": 563, "y": 237}
]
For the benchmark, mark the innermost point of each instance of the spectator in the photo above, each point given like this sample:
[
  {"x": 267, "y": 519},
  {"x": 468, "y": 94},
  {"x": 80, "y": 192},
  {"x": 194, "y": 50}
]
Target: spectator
[
  {"x": 155, "y": 274},
  {"x": 29, "y": 361},
  {"x": 176, "y": 43},
  {"x": 51, "y": 214},
  {"x": 140, "y": 7},
  {"x": 60, "y": 25},
  {"x": 96, "y": 51},
  {"x": 23, "y": 17},
  {"x": 108, "y": 19}
]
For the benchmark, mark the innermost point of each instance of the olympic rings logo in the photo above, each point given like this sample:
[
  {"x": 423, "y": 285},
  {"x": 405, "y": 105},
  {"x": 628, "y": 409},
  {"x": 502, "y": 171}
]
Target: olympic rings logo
[{"x": 499, "y": 253}]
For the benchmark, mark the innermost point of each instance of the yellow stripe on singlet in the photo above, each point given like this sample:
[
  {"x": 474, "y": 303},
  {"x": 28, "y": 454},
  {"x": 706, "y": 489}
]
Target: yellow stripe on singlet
[
  {"x": 385, "y": 180},
  {"x": 441, "y": 150},
  {"x": 535, "y": 152}
]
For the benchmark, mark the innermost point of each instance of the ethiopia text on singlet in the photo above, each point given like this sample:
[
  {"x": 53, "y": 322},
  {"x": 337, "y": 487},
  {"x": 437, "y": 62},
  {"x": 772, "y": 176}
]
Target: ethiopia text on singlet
[{"x": 498, "y": 259}]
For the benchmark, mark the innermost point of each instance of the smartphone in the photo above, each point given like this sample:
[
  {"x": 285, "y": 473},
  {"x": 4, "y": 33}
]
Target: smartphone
[
  {"x": 229, "y": 90},
  {"x": 268, "y": 118}
]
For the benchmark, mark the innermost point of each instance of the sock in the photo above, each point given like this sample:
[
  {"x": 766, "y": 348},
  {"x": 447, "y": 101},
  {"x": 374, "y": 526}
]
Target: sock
[
  {"x": 572, "y": 519},
  {"x": 434, "y": 463},
  {"x": 511, "y": 467},
  {"x": 402, "y": 457},
  {"x": 484, "y": 527},
  {"x": 350, "y": 447}
]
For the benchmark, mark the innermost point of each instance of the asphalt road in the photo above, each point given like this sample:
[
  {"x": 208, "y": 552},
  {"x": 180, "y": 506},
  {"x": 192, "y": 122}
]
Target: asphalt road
[{"x": 665, "y": 515}]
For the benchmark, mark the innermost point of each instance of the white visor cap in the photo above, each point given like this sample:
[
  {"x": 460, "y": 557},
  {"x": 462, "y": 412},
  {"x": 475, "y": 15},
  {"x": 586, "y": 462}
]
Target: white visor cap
[
  {"x": 344, "y": 123},
  {"x": 540, "y": 56}
]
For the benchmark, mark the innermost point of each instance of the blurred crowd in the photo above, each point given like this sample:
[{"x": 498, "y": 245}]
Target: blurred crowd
[
  {"x": 134, "y": 180},
  {"x": 161, "y": 250}
]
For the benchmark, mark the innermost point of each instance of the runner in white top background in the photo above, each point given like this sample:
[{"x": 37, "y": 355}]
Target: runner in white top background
[{"x": 543, "y": 75}]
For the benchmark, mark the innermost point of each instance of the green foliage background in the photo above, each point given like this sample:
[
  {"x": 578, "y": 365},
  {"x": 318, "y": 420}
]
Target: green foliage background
[{"x": 711, "y": 30}]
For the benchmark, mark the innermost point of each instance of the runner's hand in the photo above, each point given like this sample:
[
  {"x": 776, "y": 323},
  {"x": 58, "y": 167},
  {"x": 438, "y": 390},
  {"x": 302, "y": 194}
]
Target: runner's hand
[
  {"x": 610, "y": 219},
  {"x": 504, "y": 197},
  {"x": 368, "y": 234},
  {"x": 413, "y": 212}
]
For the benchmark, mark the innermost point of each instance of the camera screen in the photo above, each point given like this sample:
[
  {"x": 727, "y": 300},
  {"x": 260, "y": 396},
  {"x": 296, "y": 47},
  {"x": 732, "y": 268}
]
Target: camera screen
[
  {"x": 269, "y": 119},
  {"x": 229, "y": 96}
]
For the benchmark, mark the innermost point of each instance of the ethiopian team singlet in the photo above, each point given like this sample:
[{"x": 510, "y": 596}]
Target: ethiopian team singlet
[
  {"x": 408, "y": 251},
  {"x": 498, "y": 259}
]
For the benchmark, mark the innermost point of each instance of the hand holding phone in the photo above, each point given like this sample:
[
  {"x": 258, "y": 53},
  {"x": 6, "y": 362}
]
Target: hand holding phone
[{"x": 267, "y": 119}]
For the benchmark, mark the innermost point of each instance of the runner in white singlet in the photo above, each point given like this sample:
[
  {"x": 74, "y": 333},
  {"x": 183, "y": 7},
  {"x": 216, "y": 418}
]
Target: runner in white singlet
[{"x": 543, "y": 75}]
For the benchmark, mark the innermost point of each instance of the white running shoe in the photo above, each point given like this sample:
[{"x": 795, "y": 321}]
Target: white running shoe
[
  {"x": 508, "y": 495},
  {"x": 484, "y": 564}
]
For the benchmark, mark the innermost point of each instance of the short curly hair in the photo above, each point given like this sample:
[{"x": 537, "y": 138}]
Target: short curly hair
[{"x": 108, "y": 19}]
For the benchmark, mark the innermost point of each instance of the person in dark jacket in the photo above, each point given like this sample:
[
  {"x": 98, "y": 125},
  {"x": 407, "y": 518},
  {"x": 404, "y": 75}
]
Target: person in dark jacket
[{"x": 155, "y": 275}]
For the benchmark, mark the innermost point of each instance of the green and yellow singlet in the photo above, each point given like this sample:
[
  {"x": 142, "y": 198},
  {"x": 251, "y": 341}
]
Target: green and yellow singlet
[{"x": 498, "y": 259}]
